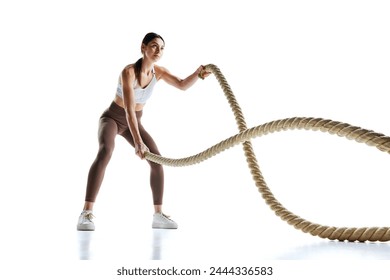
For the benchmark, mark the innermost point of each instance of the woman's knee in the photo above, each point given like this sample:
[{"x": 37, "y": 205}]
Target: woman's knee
[
  {"x": 105, "y": 153},
  {"x": 155, "y": 167}
]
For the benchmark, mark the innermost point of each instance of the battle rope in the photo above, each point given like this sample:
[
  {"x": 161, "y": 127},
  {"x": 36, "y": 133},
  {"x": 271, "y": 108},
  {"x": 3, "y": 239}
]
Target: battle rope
[{"x": 358, "y": 134}]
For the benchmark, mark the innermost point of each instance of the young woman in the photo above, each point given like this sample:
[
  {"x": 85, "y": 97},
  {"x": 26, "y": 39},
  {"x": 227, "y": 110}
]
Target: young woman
[{"x": 123, "y": 117}]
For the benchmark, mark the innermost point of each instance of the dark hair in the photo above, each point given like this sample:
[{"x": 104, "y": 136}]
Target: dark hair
[{"x": 147, "y": 39}]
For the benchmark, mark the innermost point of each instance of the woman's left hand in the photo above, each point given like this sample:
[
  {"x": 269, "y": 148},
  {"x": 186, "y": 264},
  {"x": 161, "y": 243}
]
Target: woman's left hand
[{"x": 202, "y": 72}]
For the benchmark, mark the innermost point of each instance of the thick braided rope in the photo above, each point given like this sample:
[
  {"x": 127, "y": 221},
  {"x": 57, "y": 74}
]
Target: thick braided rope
[{"x": 358, "y": 134}]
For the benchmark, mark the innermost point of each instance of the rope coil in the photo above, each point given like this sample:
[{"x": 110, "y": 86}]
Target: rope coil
[{"x": 361, "y": 135}]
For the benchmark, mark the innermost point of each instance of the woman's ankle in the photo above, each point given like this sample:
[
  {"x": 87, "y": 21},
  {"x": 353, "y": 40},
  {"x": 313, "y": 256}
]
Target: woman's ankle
[
  {"x": 157, "y": 208},
  {"x": 88, "y": 205}
]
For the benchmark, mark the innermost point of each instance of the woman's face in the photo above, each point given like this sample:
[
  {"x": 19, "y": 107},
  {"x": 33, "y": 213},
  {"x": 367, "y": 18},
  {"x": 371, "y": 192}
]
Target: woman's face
[{"x": 154, "y": 49}]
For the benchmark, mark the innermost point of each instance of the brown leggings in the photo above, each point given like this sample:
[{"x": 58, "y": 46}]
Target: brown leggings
[{"x": 112, "y": 122}]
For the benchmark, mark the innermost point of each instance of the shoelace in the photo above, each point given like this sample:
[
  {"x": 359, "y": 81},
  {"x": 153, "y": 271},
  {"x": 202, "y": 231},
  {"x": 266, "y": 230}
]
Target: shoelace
[
  {"x": 89, "y": 216},
  {"x": 166, "y": 216}
]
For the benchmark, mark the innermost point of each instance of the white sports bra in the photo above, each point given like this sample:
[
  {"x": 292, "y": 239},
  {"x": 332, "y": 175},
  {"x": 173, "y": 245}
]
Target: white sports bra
[{"x": 141, "y": 94}]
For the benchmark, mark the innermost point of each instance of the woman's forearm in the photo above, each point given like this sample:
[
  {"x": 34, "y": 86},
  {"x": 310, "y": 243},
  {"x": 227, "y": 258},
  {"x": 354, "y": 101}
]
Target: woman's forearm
[
  {"x": 190, "y": 80},
  {"x": 133, "y": 126}
]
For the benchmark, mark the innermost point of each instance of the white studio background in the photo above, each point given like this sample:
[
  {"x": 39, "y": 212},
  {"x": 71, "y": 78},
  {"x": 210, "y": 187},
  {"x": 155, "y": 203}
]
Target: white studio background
[{"x": 59, "y": 64}]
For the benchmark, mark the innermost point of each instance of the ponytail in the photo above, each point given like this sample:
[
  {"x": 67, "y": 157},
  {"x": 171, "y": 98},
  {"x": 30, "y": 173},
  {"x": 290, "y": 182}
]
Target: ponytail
[{"x": 137, "y": 69}]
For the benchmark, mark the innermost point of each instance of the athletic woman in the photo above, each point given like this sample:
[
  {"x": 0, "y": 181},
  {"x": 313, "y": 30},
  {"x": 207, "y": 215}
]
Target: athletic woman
[{"x": 123, "y": 117}]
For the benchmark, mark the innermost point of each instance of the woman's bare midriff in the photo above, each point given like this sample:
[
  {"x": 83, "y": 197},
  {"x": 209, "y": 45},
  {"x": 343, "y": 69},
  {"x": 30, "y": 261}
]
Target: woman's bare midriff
[{"x": 119, "y": 101}]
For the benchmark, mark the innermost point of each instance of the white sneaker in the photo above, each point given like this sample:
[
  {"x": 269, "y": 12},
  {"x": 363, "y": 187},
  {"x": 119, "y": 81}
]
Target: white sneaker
[
  {"x": 85, "y": 221},
  {"x": 161, "y": 220}
]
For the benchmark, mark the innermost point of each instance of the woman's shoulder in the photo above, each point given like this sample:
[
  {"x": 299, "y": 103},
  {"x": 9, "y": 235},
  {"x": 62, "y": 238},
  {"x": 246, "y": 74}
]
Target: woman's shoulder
[
  {"x": 128, "y": 70},
  {"x": 129, "y": 67},
  {"x": 159, "y": 70}
]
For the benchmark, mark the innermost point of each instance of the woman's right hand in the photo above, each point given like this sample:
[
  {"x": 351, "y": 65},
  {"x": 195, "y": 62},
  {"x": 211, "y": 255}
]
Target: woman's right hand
[{"x": 140, "y": 150}]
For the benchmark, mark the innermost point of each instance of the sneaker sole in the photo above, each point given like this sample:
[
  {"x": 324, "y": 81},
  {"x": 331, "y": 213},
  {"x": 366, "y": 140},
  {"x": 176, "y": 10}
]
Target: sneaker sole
[
  {"x": 163, "y": 227},
  {"x": 85, "y": 229}
]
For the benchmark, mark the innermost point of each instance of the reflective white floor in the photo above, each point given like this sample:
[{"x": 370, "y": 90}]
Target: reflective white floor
[
  {"x": 73, "y": 253},
  {"x": 264, "y": 238},
  {"x": 209, "y": 245}
]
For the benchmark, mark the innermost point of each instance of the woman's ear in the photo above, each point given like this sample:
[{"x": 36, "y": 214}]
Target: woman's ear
[{"x": 143, "y": 48}]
